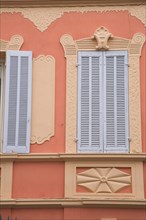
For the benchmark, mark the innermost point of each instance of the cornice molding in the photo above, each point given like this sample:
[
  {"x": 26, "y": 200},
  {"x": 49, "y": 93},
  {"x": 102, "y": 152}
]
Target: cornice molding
[
  {"x": 43, "y": 17},
  {"x": 65, "y": 3},
  {"x": 72, "y": 157},
  {"x": 38, "y": 203}
]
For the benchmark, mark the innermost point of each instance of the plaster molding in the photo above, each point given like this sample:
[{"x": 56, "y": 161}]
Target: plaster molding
[
  {"x": 14, "y": 43},
  {"x": 133, "y": 46},
  {"x": 43, "y": 17},
  {"x": 102, "y": 36},
  {"x": 42, "y": 126},
  {"x": 103, "y": 180},
  {"x": 71, "y": 87},
  {"x": 72, "y": 157},
  {"x": 103, "y": 172},
  {"x": 70, "y": 202},
  {"x": 6, "y": 173}
]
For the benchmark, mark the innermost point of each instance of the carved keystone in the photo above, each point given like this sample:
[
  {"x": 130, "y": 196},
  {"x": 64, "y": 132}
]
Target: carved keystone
[{"x": 102, "y": 36}]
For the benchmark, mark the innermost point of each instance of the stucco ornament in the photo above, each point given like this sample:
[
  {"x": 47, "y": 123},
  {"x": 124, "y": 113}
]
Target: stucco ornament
[
  {"x": 14, "y": 43},
  {"x": 103, "y": 180},
  {"x": 102, "y": 36},
  {"x": 43, "y": 17}
]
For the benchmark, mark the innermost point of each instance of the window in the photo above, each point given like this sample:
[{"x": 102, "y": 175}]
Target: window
[
  {"x": 103, "y": 102},
  {"x": 16, "y": 108}
]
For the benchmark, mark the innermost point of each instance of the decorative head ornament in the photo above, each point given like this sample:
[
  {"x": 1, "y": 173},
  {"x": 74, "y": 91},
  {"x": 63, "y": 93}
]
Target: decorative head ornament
[{"x": 102, "y": 36}]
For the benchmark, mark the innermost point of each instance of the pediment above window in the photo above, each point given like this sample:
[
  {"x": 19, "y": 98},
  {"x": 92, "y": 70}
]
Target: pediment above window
[{"x": 103, "y": 40}]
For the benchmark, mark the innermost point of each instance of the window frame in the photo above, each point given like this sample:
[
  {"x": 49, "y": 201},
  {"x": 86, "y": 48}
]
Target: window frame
[{"x": 134, "y": 48}]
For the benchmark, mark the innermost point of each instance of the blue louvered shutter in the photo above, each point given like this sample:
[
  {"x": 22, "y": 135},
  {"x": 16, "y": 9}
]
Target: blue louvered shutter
[
  {"x": 115, "y": 102},
  {"x": 89, "y": 99},
  {"x": 17, "y": 102}
]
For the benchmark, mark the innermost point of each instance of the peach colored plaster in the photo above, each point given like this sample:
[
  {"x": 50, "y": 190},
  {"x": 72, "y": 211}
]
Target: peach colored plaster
[
  {"x": 37, "y": 214},
  {"x": 38, "y": 180},
  {"x": 6, "y": 180},
  {"x": 97, "y": 213},
  {"x": 43, "y": 96},
  {"x": 108, "y": 219}
]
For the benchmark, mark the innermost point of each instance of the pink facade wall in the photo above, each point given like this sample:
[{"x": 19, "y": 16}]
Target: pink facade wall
[
  {"x": 38, "y": 180},
  {"x": 75, "y": 213},
  {"x": 46, "y": 179},
  {"x": 48, "y": 42}
]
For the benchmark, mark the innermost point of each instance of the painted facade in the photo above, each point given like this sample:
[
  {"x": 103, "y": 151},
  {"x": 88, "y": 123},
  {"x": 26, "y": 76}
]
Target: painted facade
[{"x": 51, "y": 178}]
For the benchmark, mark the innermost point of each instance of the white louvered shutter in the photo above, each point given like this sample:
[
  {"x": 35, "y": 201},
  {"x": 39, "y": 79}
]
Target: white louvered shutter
[
  {"x": 115, "y": 102},
  {"x": 89, "y": 102},
  {"x": 17, "y": 101}
]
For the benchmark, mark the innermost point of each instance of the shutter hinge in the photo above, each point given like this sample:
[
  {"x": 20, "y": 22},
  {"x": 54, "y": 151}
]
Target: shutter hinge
[
  {"x": 78, "y": 64},
  {"x": 129, "y": 139},
  {"x": 127, "y": 64},
  {"x": 76, "y": 140}
]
